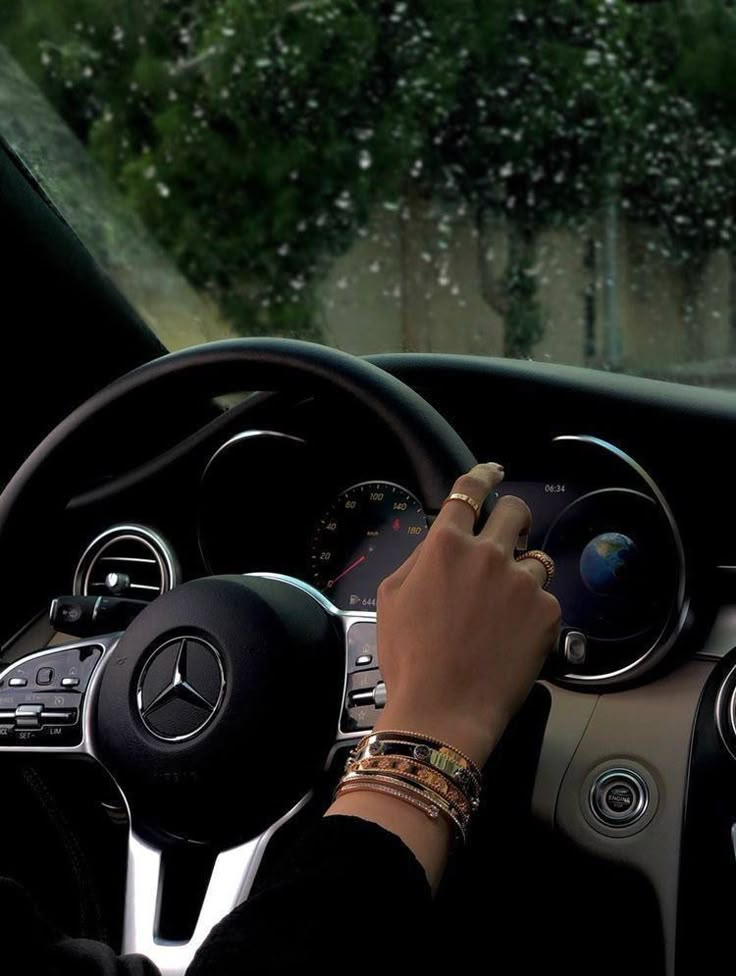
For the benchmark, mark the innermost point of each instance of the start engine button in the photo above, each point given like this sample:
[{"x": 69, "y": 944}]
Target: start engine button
[{"x": 619, "y": 797}]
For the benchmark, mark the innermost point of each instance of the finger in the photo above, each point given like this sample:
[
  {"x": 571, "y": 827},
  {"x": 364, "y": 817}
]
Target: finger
[
  {"x": 477, "y": 484},
  {"x": 536, "y": 568},
  {"x": 509, "y": 520}
]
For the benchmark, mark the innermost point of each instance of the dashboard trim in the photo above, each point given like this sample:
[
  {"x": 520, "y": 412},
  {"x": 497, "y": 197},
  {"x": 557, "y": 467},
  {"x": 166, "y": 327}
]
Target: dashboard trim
[
  {"x": 682, "y": 605},
  {"x": 161, "y": 549},
  {"x": 247, "y": 435},
  {"x": 727, "y": 688}
]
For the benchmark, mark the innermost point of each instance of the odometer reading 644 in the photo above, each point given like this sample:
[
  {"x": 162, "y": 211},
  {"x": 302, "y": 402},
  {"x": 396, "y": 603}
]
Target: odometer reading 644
[{"x": 367, "y": 533}]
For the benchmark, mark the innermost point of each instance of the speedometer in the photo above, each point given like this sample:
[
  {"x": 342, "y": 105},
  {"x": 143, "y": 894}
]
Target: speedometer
[{"x": 367, "y": 533}]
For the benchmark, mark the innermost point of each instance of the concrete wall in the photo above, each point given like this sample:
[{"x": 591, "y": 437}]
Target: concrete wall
[{"x": 413, "y": 281}]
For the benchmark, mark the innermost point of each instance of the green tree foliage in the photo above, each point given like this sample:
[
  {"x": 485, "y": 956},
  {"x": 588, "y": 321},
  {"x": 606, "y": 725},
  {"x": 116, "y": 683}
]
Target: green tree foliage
[{"x": 256, "y": 137}]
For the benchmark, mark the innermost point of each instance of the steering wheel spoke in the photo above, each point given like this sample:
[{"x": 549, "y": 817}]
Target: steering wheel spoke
[
  {"x": 46, "y": 697},
  {"x": 230, "y": 882}
]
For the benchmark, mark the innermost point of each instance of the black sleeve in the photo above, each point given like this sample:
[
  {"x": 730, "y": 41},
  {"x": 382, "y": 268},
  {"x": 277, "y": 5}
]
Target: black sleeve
[{"x": 351, "y": 898}]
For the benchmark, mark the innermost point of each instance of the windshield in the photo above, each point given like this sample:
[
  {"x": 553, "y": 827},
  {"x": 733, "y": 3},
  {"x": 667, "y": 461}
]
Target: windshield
[{"x": 553, "y": 181}]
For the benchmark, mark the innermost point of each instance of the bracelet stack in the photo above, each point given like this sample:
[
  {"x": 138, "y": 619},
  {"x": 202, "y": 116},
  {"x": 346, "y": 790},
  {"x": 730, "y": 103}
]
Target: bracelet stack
[{"x": 426, "y": 773}]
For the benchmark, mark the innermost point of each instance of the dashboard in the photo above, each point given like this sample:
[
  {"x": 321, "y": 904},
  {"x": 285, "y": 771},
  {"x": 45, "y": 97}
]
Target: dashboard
[{"x": 629, "y": 487}]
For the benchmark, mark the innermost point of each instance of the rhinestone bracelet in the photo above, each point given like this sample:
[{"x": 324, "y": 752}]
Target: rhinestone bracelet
[
  {"x": 354, "y": 783},
  {"x": 424, "y": 793},
  {"x": 431, "y": 811}
]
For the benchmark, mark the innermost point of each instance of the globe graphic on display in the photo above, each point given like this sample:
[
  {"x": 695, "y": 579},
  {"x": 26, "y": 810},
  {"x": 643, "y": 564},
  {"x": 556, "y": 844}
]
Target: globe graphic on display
[{"x": 609, "y": 563}]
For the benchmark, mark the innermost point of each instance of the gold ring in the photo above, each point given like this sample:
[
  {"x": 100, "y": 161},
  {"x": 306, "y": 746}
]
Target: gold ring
[
  {"x": 544, "y": 559},
  {"x": 458, "y": 496}
]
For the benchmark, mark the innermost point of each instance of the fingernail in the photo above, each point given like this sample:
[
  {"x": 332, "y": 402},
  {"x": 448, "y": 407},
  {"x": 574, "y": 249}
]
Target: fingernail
[
  {"x": 522, "y": 543},
  {"x": 496, "y": 465}
]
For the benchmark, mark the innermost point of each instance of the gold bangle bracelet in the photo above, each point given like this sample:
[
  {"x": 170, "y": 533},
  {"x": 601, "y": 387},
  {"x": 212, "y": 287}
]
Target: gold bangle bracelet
[
  {"x": 418, "y": 737},
  {"x": 460, "y": 775},
  {"x": 460, "y": 816},
  {"x": 430, "y": 811},
  {"x": 426, "y": 795},
  {"x": 416, "y": 772}
]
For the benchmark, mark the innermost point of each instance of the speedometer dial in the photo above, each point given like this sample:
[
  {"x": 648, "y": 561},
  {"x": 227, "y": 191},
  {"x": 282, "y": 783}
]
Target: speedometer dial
[{"x": 367, "y": 533}]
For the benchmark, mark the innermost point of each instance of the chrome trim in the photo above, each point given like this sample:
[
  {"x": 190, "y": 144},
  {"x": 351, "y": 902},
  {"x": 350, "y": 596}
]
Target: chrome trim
[
  {"x": 126, "y": 559},
  {"x": 230, "y": 884},
  {"x": 244, "y": 435},
  {"x": 177, "y": 678},
  {"x": 86, "y": 746},
  {"x": 630, "y": 817},
  {"x": 682, "y": 603},
  {"x": 729, "y": 712},
  {"x": 305, "y": 588},
  {"x": 162, "y": 551}
]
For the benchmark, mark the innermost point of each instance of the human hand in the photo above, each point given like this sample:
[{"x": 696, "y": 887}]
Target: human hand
[{"x": 464, "y": 629}]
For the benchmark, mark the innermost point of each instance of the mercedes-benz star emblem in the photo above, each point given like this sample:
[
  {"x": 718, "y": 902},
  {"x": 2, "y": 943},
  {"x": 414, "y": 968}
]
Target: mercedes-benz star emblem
[{"x": 180, "y": 688}]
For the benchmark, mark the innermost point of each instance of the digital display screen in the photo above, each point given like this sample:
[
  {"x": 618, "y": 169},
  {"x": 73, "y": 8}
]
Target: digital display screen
[{"x": 546, "y": 500}]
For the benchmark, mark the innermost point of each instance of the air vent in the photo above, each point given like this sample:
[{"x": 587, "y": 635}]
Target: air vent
[{"x": 126, "y": 560}]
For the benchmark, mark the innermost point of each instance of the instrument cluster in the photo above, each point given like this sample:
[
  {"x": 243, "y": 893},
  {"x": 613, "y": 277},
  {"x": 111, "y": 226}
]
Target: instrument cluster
[{"x": 270, "y": 501}]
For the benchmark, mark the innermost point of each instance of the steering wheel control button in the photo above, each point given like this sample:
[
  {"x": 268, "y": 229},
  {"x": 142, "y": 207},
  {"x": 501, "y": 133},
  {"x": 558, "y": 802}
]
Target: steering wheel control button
[
  {"x": 575, "y": 648},
  {"x": 76, "y": 664},
  {"x": 362, "y": 645},
  {"x": 59, "y": 716},
  {"x": 28, "y": 716},
  {"x": 366, "y": 694},
  {"x": 45, "y": 709},
  {"x": 619, "y": 797}
]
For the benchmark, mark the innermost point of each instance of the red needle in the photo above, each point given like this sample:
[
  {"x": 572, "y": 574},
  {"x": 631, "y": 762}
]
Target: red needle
[{"x": 358, "y": 561}]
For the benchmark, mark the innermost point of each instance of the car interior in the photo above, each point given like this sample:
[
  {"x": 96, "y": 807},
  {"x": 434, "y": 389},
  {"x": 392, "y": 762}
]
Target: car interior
[{"x": 192, "y": 543}]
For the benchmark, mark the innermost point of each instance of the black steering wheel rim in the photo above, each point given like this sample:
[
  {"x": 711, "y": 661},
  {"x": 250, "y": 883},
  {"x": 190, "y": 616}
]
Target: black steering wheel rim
[{"x": 38, "y": 491}]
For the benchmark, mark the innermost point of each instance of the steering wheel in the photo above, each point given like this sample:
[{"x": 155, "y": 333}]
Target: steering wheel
[{"x": 188, "y": 709}]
